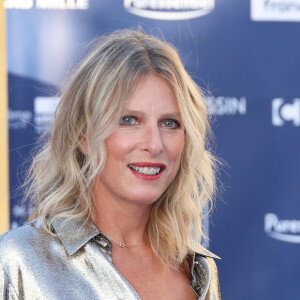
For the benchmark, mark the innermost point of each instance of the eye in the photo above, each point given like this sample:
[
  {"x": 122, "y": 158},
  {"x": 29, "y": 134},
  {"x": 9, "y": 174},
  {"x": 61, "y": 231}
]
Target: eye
[
  {"x": 127, "y": 120},
  {"x": 171, "y": 123}
]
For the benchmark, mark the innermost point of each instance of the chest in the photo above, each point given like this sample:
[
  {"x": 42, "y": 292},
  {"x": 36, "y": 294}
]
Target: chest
[
  {"x": 89, "y": 274},
  {"x": 153, "y": 280}
]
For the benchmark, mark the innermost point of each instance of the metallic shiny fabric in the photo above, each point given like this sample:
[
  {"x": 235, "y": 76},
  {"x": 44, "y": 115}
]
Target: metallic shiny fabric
[{"x": 36, "y": 265}]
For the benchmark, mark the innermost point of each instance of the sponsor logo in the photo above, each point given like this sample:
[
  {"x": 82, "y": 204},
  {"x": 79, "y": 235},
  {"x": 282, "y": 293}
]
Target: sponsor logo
[
  {"x": 226, "y": 105},
  {"x": 283, "y": 230},
  {"x": 283, "y": 112},
  {"x": 44, "y": 108},
  {"x": 46, "y": 4},
  {"x": 275, "y": 10},
  {"x": 169, "y": 9},
  {"x": 19, "y": 119}
]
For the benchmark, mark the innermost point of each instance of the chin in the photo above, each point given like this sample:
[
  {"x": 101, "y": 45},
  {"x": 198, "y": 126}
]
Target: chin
[{"x": 146, "y": 199}]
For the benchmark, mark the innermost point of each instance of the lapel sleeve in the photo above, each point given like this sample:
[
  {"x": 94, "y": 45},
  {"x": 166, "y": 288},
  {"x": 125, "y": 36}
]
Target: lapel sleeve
[
  {"x": 205, "y": 279},
  {"x": 213, "y": 286}
]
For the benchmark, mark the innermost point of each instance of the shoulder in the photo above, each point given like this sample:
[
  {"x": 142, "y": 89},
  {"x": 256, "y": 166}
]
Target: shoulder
[
  {"x": 205, "y": 278},
  {"x": 22, "y": 241},
  {"x": 205, "y": 260},
  {"x": 16, "y": 237},
  {"x": 206, "y": 265}
]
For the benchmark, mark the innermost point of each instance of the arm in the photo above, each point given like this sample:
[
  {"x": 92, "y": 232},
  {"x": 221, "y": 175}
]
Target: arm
[{"x": 7, "y": 291}]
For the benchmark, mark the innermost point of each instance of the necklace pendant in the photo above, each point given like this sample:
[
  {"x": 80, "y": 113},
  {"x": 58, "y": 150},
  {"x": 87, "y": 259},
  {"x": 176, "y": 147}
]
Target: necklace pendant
[{"x": 121, "y": 245}]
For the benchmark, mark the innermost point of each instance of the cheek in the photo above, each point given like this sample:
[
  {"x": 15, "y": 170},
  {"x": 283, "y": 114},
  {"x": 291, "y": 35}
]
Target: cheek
[
  {"x": 175, "y": 147},
  {"x": 118, "y": 145},
  {"x": 114, "y": 151}
]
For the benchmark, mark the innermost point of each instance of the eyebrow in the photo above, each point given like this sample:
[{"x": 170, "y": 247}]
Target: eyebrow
[{"x": 172, "y": 115}]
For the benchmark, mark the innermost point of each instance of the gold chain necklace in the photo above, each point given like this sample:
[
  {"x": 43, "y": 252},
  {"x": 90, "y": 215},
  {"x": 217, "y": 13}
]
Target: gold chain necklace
[{"x": 124, "y": 245}]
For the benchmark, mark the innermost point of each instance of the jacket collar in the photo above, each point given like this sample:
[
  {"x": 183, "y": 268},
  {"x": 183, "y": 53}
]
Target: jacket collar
[
  {"x": 204, "y": 252},
  {"x": 74, "y": 234}
]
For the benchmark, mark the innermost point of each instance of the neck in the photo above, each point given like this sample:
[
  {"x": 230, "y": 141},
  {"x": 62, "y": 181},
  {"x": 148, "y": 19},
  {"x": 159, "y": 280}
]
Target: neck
[{"x": 120, "y": 220}]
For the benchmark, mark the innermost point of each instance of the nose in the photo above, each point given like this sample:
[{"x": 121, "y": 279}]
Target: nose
[{"x": 152, "y": 141}]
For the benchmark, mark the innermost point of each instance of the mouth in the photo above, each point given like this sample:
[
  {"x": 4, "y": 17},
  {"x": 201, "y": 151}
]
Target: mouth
[{"x": 147, "y": 170}]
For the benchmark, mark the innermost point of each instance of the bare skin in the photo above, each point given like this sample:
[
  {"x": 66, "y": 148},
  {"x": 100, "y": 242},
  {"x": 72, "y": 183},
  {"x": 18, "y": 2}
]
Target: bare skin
[{"x": 149, "y": 277}]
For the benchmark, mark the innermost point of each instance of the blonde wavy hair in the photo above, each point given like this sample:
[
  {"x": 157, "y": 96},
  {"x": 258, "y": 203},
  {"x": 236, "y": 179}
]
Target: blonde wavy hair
[{"x": 92, "y": 103}]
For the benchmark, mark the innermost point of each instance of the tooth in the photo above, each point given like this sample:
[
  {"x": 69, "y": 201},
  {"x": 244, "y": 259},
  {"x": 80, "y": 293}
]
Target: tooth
[{"x": 145, "y": 170}]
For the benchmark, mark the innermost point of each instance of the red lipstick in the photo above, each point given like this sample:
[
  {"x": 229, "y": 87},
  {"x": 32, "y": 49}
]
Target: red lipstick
[{"x": 148, "y": 165}]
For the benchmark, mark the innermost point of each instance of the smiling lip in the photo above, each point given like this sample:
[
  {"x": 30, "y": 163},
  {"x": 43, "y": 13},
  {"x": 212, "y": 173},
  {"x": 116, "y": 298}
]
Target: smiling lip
[{"x": 148, "y": 165}]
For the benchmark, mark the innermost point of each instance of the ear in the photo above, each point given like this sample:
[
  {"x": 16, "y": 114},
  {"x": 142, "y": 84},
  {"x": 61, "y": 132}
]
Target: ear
[{"x": 83, "y": 146}]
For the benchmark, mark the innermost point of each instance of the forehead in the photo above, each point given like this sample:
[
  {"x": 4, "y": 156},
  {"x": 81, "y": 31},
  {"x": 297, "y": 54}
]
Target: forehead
[{"x": 153, "y": 93}]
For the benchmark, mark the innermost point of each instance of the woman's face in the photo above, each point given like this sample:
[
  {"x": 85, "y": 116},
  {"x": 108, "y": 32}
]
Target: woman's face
[{"x": 144, "y": 151}]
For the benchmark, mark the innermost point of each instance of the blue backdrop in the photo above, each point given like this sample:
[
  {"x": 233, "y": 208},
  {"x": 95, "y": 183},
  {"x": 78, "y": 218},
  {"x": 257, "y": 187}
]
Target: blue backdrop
[{"x": 245, "y": 55}]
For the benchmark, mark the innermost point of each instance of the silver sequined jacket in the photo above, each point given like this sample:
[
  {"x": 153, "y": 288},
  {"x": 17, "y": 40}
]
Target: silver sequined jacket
[{"x": 36, "y": 265}]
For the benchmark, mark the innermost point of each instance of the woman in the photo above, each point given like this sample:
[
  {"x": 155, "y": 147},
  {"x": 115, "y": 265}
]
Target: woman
[{"x": 116, "y": 190}]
